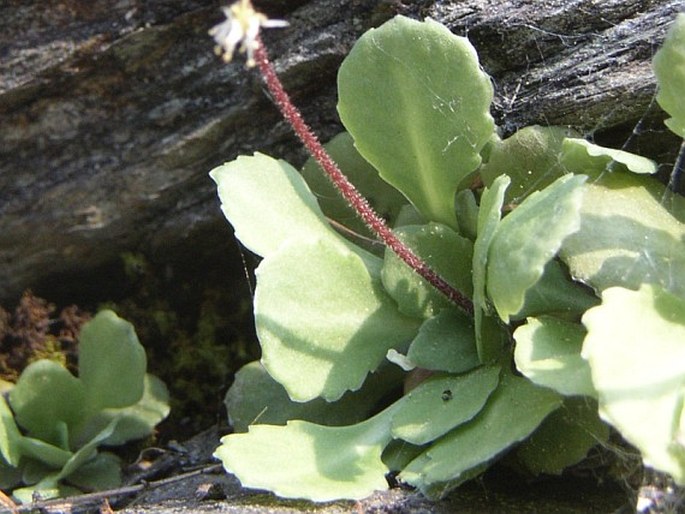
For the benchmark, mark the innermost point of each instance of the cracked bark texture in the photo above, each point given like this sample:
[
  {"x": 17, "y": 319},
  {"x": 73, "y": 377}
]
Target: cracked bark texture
[{"x": 112, "y": 113}]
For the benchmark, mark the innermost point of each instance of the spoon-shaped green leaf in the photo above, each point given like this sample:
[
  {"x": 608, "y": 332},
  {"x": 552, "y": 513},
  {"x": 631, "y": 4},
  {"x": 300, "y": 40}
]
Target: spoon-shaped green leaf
[
  {"x": 669, "y": 67},
  {"x": 416, "y": 102},
  {"x": 315, "y": 462}
]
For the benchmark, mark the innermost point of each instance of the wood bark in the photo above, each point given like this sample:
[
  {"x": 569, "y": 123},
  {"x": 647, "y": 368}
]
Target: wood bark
[{"x": 112, "y": 113}]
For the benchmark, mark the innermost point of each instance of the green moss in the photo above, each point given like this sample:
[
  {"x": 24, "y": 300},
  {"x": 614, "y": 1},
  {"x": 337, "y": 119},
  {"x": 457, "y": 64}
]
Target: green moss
[
  {"x": 195, "y": 337},
  {"x": 51, "y": 350}
]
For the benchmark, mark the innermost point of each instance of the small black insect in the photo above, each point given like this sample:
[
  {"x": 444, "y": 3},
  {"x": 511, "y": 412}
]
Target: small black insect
[{"x": 446, "y": 395}]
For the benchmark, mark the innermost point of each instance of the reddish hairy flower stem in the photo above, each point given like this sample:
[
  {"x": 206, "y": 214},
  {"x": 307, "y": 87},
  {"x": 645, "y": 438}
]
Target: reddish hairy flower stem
[{"x": 372, "y": 220}]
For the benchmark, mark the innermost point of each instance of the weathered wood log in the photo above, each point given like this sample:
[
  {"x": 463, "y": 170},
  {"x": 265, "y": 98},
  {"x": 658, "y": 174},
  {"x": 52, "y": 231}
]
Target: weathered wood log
[{"x": 111, "y": 115}]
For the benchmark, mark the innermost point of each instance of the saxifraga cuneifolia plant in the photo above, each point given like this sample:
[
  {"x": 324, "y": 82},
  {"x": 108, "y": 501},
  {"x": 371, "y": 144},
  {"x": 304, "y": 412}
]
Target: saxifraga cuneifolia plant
[{"x": 565, "y": 190}]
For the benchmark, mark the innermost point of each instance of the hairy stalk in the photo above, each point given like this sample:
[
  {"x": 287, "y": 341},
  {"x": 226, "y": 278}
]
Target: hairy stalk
[{"x": 372, "y": 220}]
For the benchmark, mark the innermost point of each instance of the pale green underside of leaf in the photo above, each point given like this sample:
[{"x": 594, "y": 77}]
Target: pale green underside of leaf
[
  {"x": 636, "y": 349},
  {"x": 628, "y": 235},
  {"x": 669, "y": 68},
  {"x": 268, "y": 203},
  {"x": 527, "y": 239},
  {"x": 489, "y": 216},
  {"x": 314, "y": 462},
  {"x": 416, "y": 102},
  {"x": 581, "y": 156},
  {"x": 548, "y": 353},
  {"x": 514, "y": 410},
  {"x": 322, "y": 341},
  {"x": 441, "y": 403},
  {"x": 564, "y": 437}
]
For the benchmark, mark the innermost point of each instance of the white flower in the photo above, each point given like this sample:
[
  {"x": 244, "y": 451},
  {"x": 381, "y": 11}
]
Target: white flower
[{"x": 241, "y": 26}]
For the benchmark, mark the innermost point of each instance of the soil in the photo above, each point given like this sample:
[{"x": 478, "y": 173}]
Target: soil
[{"x": 187, "y": 480}]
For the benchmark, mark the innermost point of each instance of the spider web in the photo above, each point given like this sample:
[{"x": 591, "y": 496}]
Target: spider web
[{"x": 637, "y": 128}]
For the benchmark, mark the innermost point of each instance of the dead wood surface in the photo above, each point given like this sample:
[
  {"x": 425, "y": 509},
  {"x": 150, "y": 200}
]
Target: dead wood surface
[{"x": 112, "y": 113}]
